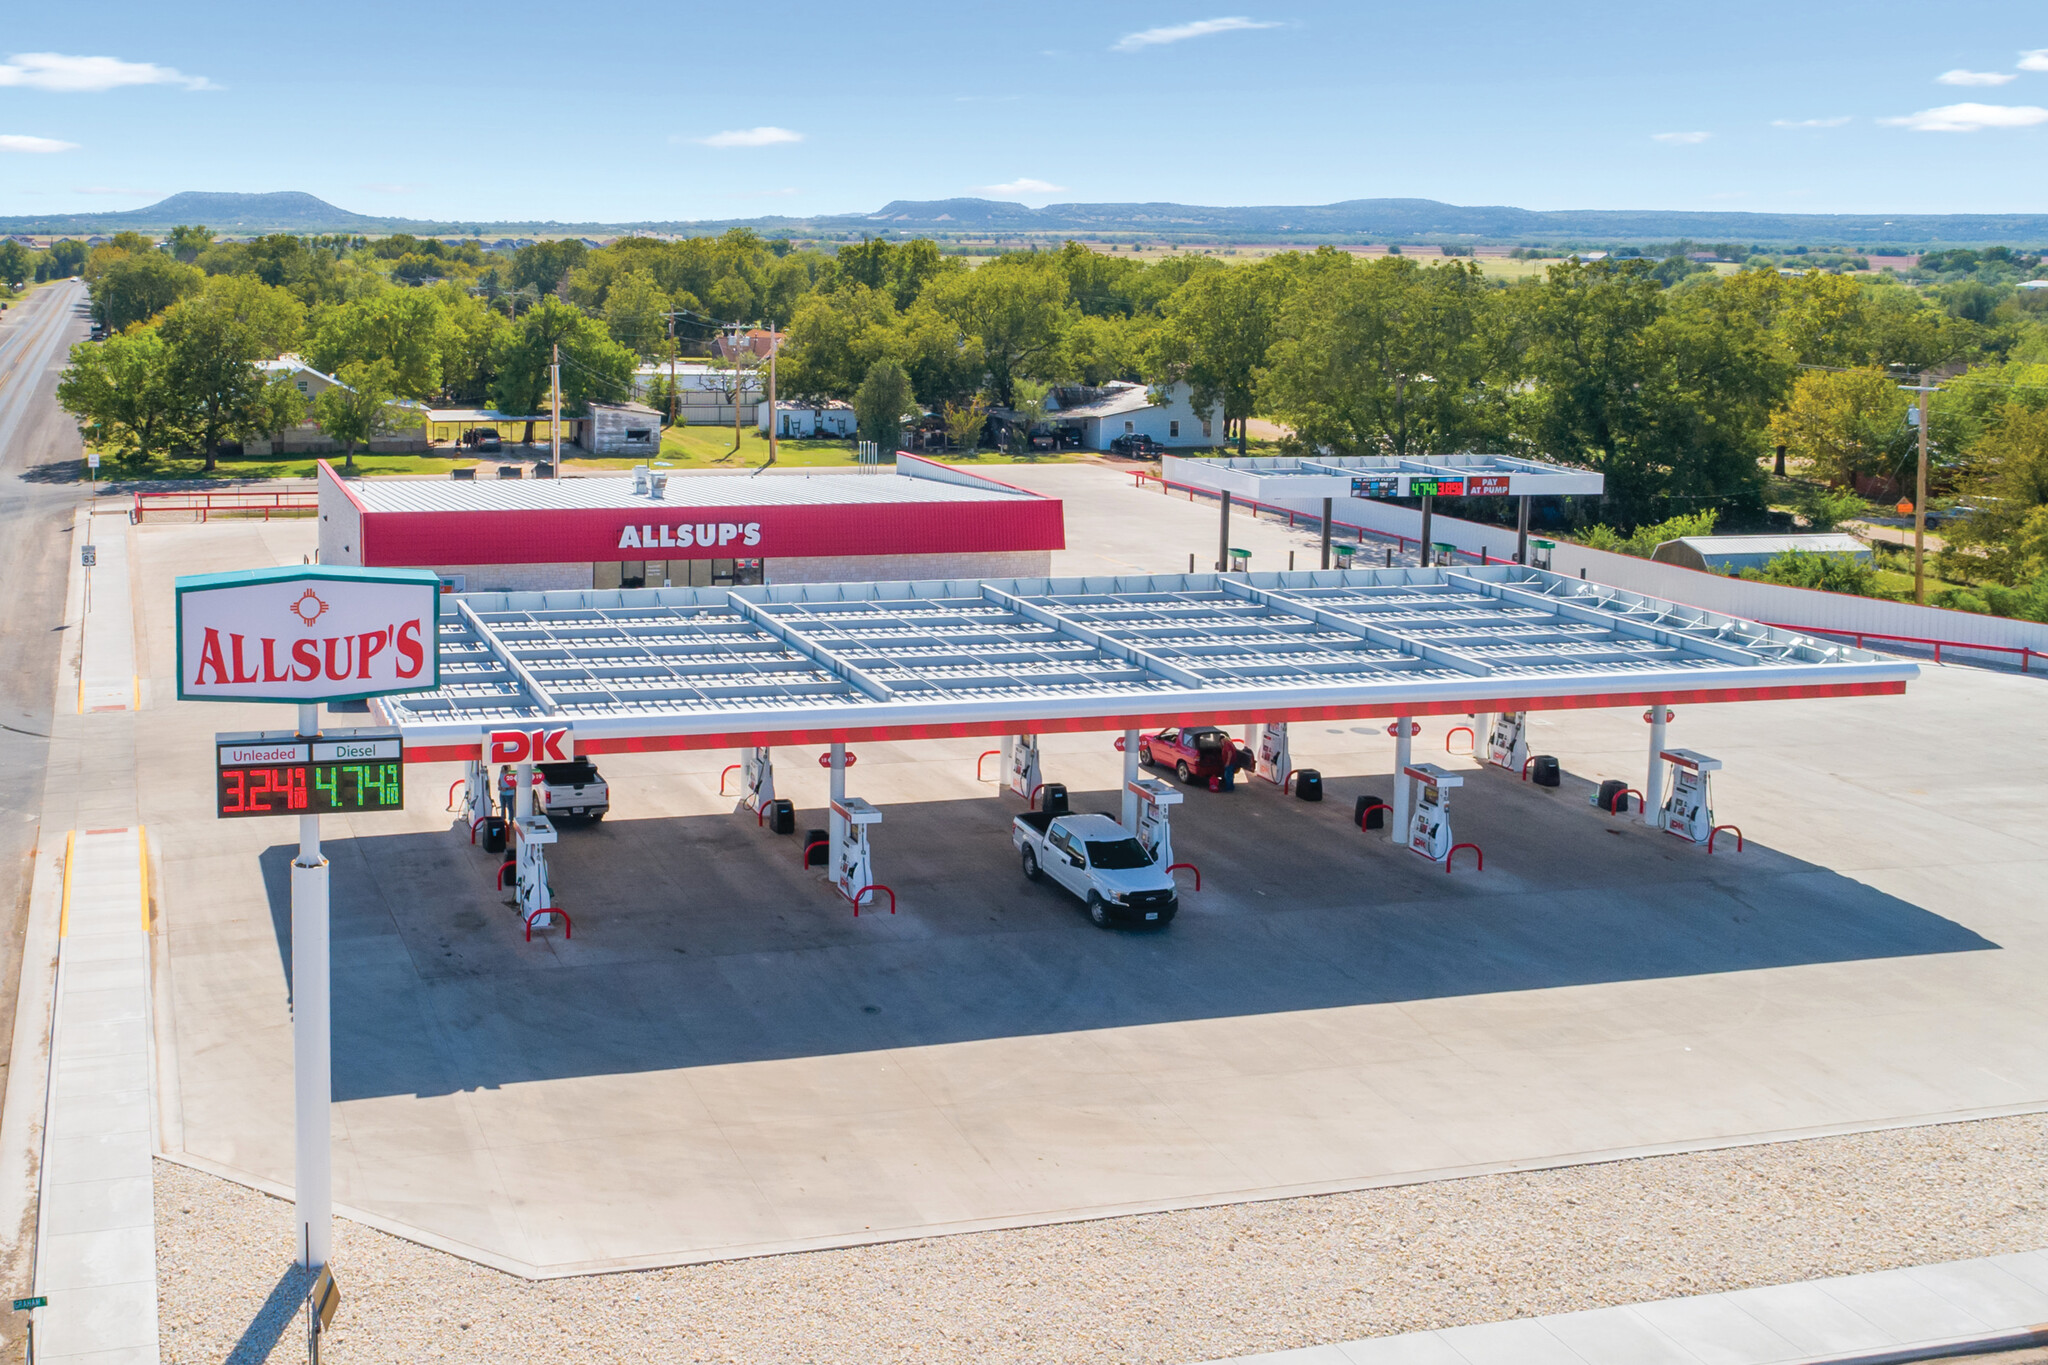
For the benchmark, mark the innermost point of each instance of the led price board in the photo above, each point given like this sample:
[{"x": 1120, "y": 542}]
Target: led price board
[
  {"x": 1377, "y": 486},
  {"x": 339, "y": 772},
  {"x": 1420, "y": 487}
]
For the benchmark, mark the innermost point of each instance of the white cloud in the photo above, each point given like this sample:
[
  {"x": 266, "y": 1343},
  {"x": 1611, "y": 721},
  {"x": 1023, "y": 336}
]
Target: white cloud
[
  {"x": 1023, "y": 185},
  {"x": 75, "y": 75},
  {"x": 2037, "y": 60},
  {"x": 749, "y": 137},
  {"x": 21, "y": 142},
  {"x": 1682, "y": 139},
  {"x": 1969, "y": 118},
  {"x": 1176, "y": 33},
  {"x": 1961, "y": 77},
  {"x": 1809, "y": 122}
]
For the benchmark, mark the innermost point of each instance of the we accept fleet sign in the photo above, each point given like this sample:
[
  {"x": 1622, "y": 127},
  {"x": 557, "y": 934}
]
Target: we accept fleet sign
[{"x": 307, "y": 634}]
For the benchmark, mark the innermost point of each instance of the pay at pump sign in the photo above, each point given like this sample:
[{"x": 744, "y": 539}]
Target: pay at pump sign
[{"x": 307, "y": 634}]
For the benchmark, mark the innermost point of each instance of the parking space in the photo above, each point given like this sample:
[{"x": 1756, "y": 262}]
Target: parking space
[{"x": 723, "y": 1060}]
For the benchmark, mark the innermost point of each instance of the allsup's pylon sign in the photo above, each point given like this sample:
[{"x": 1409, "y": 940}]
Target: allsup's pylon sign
[{"x": 308, "y": 635}]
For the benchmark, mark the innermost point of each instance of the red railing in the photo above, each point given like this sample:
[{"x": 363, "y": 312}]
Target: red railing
[
  {"x": 568, "y": 928},
  {"x": 873, "y": 886},
  {"x": 1468, "y": 732},
  {"x": 451, "y": 791},
  {"x": 986, "y": 755},
  {"x": 206, "y": 503},
  {"x": 476, "y": 825},
  {"x": 1172, "y": 868},
  {"x": 729, "y": 769},
  {"x": 503, "y": 868},
  {"x": 1619, "y": 805},
  {"x": 815, "y": 843},
  {"x": 1360, "y": 533},
  {"x": 2027, "y": 654},
  {"x": 1031, "y": 801},
  {"x": 1716, "y": 830},
  {"x": 1477, "y": 852}
]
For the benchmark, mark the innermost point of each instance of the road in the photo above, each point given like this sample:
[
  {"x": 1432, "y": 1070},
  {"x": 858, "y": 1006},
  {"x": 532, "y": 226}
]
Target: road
[{"x": 39, "y": 491}]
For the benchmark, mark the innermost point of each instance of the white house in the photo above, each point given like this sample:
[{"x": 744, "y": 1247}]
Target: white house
[
  {"x": 800, "y": 420},
  {"x": 1120, "y": 408},
  {"x": 307, "y": 380},
  {"x": 704, "y": 392}
]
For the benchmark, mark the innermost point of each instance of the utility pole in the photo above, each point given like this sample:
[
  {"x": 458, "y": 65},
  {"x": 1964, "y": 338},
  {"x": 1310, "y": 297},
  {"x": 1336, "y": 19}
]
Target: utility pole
[
  {"x": 1923, "y": 389},
  {"x": 671, "y": 369},
  {"x": 773, "y": 346},
  {"x": 555, "y": 414}
]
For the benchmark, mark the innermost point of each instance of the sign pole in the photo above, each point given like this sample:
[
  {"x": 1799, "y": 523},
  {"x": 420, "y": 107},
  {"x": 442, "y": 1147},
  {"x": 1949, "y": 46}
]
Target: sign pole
[{"x": 312, "y": 1046}]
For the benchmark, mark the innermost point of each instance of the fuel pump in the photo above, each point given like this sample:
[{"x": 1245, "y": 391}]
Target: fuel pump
[
  {"x": 1507, "y": 745},
  {"x": 1429, "y": 828},
  {"x": 757, "y": 770},
  {"x": 476, "y": 791},
  {"x": 1155, "y": 831},
  {"x": 532, "y": 833},
  {"x": 850, "y": 819},
  {"x": 1273, "y": 761},
  {"x": 1024, "y": 775},
  {"x": 1689, "y": 810}
]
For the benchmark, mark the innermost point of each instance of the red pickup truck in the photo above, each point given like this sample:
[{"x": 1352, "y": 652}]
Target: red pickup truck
[{"x": 1196, "y": 753}]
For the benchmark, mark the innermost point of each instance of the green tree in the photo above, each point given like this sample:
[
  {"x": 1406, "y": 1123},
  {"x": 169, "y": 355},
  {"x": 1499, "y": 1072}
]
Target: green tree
[
  {"x": 17, "y": 263},
  {"x": 594, "y": 367},
  {"x": 360, "y": 408},
  {"x": 187, "y": 242},
  {"x": 545, "y": 266},
  {"x": 1028, "y": 411},
  {"x": 67, "y": 257},
  {"x": 1840, "y": 423},
  {"x": 277, "y": 408},
  {"x": 131, "y": 288},
  {"x": 122, "y": 387},
  {"x": 1826, "y": 573},
  {"x": 965, "y": 423},
  {"x": 881, "y": 402},
  {"x": 2006, "y": 538},
  {"x": 1014, "y": 310},
  {"x": 403, "y": 326},
  {"x": 214, "y": 338},
  {"x": 635, "y": 312},
  {"x": 1217, "y": 331}
]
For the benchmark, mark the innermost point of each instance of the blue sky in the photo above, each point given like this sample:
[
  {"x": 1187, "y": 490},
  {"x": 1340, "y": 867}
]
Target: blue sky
[{"x": 612, "y": 112}]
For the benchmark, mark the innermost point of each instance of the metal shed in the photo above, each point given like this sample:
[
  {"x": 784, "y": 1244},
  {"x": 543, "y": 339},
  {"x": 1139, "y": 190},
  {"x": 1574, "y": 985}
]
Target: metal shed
[{"x": 1733, "y": 554}]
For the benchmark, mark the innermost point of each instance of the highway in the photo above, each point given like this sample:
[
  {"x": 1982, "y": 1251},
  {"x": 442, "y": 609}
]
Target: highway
[{"x": 40, "y": 487}]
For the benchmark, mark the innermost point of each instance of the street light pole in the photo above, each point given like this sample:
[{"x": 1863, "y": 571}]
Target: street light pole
[{"x": 1923, "y": 389}]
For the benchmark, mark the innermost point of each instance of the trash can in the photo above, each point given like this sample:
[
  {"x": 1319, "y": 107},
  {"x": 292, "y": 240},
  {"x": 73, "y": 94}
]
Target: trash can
[
  {"x": 1369, "y": 813},
  {"x": 1543, "y": 770},
  {"x": 494, "y": 834},
  {"x": 781, "y": 817},
  {"x": 1055, "y": 802},
  {"x": 1308, "y": 784},
  {"x": 817, "y": 848},
  {"x": 1343, "y": 554},
  {"x": 1609, "y": 792},
  {"x": 1240, "y": 560}
]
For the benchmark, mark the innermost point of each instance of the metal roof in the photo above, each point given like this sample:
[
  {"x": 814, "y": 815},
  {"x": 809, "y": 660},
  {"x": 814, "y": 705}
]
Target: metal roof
[
  {"x": 701, "y": 667},
  {"x": 684, "y": 491},
  {"x": 1279, "y": 476},
  {"x": 1827, "y": 542}
]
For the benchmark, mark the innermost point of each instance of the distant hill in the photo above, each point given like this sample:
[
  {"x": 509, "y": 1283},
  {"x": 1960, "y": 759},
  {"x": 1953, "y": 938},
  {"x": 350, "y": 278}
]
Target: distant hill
[{"x": 1353, "y": 220}]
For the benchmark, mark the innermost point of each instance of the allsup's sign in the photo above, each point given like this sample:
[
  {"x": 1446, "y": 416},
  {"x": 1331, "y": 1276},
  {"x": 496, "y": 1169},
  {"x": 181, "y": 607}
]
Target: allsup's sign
[
  {"x": 706, "y": 535},
  {"x": 307, "y": 634}
]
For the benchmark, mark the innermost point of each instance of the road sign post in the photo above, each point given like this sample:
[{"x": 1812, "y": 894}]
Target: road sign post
[{"x": 307, "y": 635}]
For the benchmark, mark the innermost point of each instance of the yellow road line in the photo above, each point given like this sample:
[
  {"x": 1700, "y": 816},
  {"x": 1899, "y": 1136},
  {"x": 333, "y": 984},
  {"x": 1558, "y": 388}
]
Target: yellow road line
[
  {"x": 64, "y": 915},
  {"x": 142, "y": 847}
]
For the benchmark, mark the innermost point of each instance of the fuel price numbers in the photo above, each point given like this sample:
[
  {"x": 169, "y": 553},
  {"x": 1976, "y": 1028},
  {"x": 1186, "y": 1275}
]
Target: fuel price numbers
[{"x": 339, "y": 772}]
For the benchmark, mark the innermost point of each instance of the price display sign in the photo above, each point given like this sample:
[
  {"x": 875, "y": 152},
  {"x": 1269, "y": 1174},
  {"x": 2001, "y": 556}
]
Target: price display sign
[
  {"x": 1420, "y": 487},
  {"x": 340, "y": 772},
  {"x": 1377, "y": 486}
]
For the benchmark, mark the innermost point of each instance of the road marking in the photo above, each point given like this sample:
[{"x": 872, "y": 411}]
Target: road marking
[
  {"x": 64, "y": 915},
  {"x": 142, "y": 848}
]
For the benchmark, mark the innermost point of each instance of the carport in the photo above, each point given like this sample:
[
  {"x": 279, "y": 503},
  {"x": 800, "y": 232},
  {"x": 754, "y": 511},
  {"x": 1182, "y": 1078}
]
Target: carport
[{"x": 759, "y": 667}]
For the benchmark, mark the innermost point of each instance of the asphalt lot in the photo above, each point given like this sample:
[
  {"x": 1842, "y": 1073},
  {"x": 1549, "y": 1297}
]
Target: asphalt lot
[{"x": 724, "y": 1061}]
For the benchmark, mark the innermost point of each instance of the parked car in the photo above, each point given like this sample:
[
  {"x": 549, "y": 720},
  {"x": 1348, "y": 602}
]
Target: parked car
[
  {"x": 483, "y": 438},
  {"x": 1137, "y": 447},
  {"x": 1196, "y": 753},
  {"x": 564, "y": 790},
  {"x": 1044, "y": 440},
  {"x": 1097, "y": 859}
]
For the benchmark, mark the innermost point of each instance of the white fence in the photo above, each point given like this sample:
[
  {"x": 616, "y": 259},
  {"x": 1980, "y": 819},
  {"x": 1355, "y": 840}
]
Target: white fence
[{"x": 1867, "y": 618}]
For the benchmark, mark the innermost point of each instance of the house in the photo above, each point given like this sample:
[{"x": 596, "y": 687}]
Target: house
[
  {"x": 307, "y": 437},
  {"x": 756, "y": 343},
  {"x": 307, "y": 380},
  {"x": 704, "y": 393},
  {"x": 2034, "y": 284},
  {"x": 1732, "y": 554},
  {"x": 620, "y": 429},
  {"x": 800, "y": 420},
  {"x": 1121, "y": 408}
]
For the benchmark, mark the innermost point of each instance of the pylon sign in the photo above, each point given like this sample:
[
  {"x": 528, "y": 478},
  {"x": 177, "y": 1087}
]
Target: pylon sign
[{"x": 307, "y": 633}]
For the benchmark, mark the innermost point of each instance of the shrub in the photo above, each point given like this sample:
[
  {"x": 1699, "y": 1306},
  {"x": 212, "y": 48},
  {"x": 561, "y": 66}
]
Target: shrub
[{"x": 1829, "y": 573}]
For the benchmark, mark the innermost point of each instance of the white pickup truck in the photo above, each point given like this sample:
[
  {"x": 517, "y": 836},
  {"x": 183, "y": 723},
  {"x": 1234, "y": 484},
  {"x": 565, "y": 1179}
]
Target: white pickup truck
[
  {"x": 569, "y": 790},
  {"x": 1096, "y": 858}
]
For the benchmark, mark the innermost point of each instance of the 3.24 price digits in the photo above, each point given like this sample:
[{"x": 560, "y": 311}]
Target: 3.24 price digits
[{"x": 262, "y": 791}]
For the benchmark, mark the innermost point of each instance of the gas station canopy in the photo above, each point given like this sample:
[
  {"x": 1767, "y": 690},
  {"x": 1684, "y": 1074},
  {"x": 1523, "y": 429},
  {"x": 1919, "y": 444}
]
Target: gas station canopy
[
  {"x": 690, "y": 668},
  {"x": 1277, "y": 478}
]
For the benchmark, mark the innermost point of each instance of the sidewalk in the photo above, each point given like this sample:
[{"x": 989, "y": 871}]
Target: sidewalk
[
  {"x": 1873, "y": 1317},
  {"x": 107, "y": 679}
]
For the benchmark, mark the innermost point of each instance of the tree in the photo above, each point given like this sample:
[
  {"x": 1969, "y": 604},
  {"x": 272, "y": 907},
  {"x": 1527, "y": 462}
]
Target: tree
[
  {"x": 1217, "y": 331},
  {"x": 636, "y": 313},
  {"x": 2003, "y": 539},
  {"x": 965, "y": 423},
  {"x": 359, "y": 409},
  {"x": 122, "y": 387},
  {"x": 545, "y": 266},
  {"x": 214, "y": 339},
  {"x": 593, "y": 365},
  {"x": 881, "y": 402},
  {"x": 278, "y": 407},
  {"x": 1824, "y": 572},
  {"x": 1015, "y": 310},
  {"x": 402, "y": 326},
  {"x": 17, "y": 263},
  {"x": 1838, "y": 424},
  {"x": 1028, "y": 408},
  {"x": 187, "y": 242},
  {"x": 128, "y": 288},
  {"x": 67, "y": 257}
]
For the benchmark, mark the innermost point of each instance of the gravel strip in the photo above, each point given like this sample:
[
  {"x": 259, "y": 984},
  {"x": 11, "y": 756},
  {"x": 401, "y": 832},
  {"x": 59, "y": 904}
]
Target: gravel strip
[{"x": 1165, "y": 1288}]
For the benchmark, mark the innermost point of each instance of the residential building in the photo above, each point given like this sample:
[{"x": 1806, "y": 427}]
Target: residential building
[
  {"x": 1121, "y": 408},
  {"x": 832, "y": 417}
]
